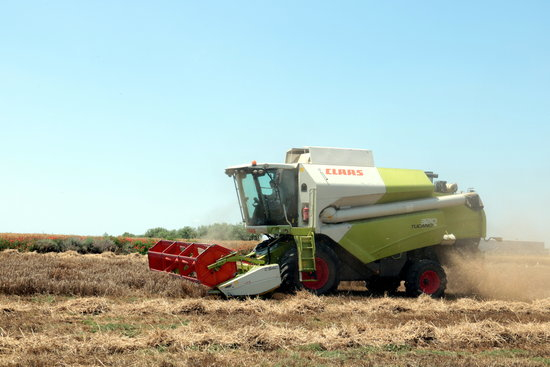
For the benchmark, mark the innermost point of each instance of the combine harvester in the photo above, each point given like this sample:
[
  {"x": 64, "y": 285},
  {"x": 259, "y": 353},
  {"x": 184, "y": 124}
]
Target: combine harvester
[{"x": 330, "y": 215}]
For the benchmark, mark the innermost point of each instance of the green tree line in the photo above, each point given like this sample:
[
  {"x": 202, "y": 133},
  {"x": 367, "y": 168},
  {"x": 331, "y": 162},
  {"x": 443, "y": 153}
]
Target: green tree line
[{"x": 216, "y": 231}]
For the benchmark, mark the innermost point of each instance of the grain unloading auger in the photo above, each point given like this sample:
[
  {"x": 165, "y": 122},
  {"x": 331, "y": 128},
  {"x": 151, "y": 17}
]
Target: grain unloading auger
[{"x": 329, "y": 215}]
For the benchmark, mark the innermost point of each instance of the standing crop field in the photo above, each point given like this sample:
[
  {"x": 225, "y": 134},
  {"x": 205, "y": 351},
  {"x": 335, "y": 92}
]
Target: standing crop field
[{"x": 69, "y": 309}]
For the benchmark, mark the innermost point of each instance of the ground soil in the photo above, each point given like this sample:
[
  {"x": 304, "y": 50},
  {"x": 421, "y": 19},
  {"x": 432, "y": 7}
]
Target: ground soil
[{"x": 109, "y": 310}]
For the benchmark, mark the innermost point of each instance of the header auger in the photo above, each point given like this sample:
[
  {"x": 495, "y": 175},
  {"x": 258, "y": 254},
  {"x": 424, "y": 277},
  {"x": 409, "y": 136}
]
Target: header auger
[{"x": 329, "y": 215}]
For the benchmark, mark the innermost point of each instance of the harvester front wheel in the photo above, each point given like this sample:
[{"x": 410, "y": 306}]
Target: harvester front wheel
[
  {"x": 426, "y": 276},
  {"x": 326, "y": 275}
]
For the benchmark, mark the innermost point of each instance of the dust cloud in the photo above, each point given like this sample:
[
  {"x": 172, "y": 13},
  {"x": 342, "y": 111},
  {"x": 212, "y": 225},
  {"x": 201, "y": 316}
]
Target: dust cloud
[{"x": 500, "y": 277}]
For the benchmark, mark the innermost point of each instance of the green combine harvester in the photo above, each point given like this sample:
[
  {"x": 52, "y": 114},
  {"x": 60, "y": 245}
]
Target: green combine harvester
[{"x": 330, "y": 215}]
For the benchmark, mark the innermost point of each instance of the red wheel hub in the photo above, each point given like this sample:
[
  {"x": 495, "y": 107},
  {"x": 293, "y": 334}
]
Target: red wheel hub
[
  {"x": 429, "y": 282},
  {"x": 321, "y": 275}
]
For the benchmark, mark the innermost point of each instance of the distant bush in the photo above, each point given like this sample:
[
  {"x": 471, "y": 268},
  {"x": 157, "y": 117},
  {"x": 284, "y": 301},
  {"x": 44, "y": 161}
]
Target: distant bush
[
  {"x": 76, "y": 244},
  {"x": 100, "y": 245},
  {"x": 122, "y": 245},
  {"x": 5, "y": 244},
  {"x": 47, "y": 245}
]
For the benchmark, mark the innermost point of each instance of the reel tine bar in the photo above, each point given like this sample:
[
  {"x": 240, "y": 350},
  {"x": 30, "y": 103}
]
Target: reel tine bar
[{"x": 190, "y": 261}]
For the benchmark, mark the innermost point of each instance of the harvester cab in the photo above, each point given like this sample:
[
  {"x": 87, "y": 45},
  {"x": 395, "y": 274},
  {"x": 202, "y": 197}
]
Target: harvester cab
[
  {"x": 329, "y": 215},
  {"x": 267, "y": 194}
]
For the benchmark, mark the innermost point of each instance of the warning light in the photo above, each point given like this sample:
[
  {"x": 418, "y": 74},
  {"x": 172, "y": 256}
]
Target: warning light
[{"x": 254, "y": 163}]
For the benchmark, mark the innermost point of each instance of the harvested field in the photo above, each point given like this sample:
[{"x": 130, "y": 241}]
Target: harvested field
[{"x": 109, "y": 310}]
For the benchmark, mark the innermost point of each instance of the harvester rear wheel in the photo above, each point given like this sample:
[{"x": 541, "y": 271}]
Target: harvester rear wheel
[
  {"x": 426, "y": 276},
  {"x": 326, "y": 263}
]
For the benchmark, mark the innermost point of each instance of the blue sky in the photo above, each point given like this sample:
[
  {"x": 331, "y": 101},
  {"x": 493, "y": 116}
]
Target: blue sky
[{"x": 121, "y": 116}]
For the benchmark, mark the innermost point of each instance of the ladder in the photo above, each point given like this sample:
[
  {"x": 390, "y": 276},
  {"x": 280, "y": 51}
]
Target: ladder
[{"x": 306, "y": 253}]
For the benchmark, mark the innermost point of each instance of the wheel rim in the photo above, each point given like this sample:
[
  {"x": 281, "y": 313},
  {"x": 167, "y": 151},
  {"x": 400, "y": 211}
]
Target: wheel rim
[
  {"x": 322, "y": 273},
  {"x": 429, "y": 282}
]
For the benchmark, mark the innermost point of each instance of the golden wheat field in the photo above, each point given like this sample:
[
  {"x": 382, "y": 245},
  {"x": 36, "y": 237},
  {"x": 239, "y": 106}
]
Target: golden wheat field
[{"x": 109, "y": 310}]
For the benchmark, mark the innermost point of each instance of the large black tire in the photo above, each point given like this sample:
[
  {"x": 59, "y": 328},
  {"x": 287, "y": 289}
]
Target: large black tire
[
  {"x": 378, "y": 286},
  {"x": 425, "y": 276},
  {"x": 327, "y": 264}
]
